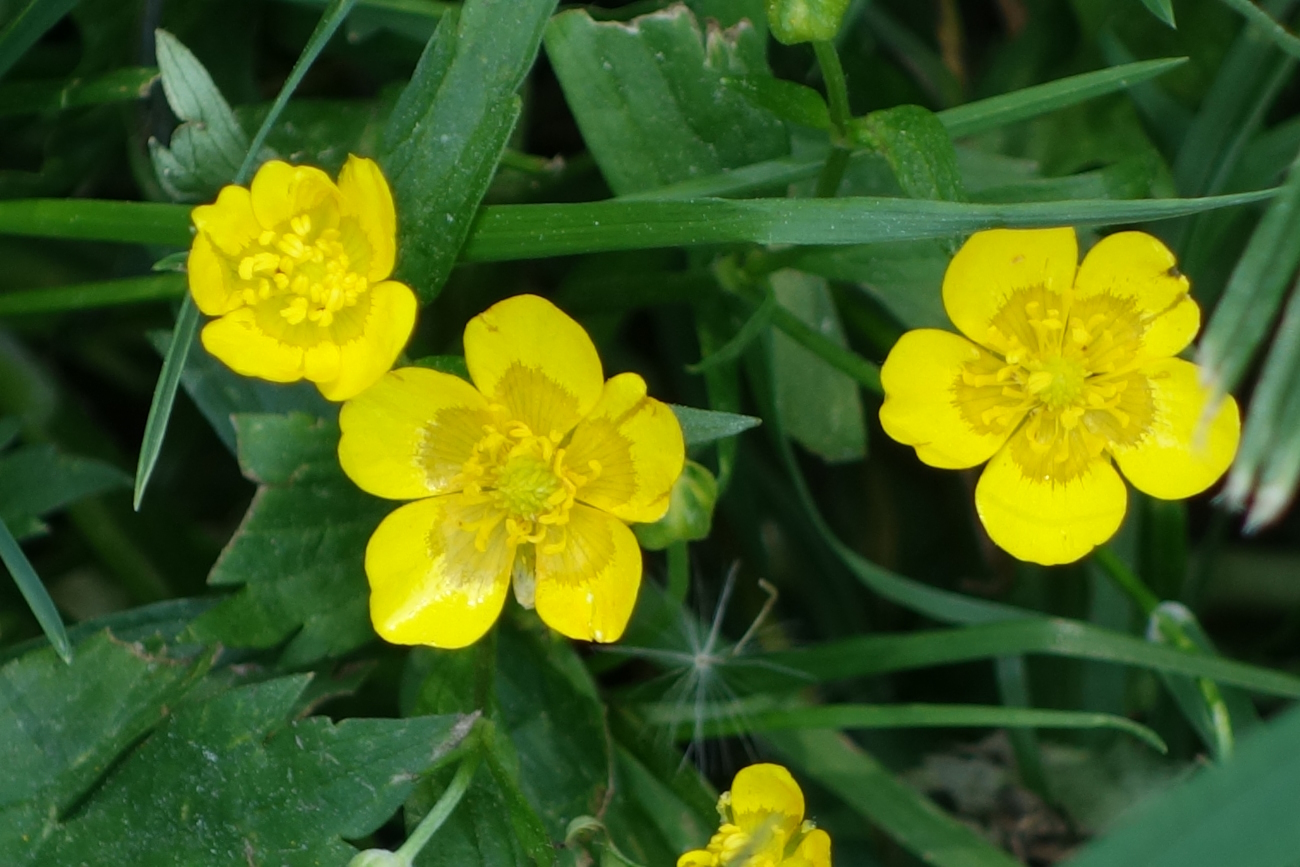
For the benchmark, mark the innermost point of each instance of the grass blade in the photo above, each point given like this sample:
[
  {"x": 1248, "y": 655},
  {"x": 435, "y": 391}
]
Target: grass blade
[
  {"x": 1266, "y": 24},
  {"x": 38, "y": 599},
  {"x": 187, "y": 322},
  {"x": 28, "y": 26},
  {"x": 723, "y": 720},
  {"x": 120, "y": 85},
  {"x": 86, "y": 296}
]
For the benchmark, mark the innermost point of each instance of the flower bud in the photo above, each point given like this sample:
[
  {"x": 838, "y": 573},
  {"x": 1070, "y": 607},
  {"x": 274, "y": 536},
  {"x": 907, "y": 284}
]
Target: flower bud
[
  {"x": 378, "y": 858},
  {"x": 795, "y": 21}
]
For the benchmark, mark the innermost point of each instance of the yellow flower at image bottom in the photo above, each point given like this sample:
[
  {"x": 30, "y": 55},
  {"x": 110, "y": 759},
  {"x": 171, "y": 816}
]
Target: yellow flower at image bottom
[
  {"x": 529, "y": 476},
  {"x": 296, "y": 269},
  {"x": 1065, "y": 371},
  {"x": 763, "y": 825}
]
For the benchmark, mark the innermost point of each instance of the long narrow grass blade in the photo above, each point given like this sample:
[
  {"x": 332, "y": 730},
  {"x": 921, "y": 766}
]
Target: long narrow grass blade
[
  {"x": 38, "y": 599},
  {"x": 1265, "y": 22},
  {"x": 187, "y": 323},
  {"x": 723, "y": 720},
  {"x": 120, "y": 85},
  {"x": 164, "y": 396},
  {"x": 28, "y": 26},
  {"x": 86, "y": 296}
]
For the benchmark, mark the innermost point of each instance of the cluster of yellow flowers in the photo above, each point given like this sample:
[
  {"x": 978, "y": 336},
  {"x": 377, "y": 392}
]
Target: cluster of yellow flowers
[{"x": 528, "y": 475}]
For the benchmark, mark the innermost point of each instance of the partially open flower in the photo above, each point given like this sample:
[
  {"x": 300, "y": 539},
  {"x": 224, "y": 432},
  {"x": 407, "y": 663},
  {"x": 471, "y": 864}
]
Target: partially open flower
[
  {"x": 531, "y": 474},
  {"x": 762, "y": 825},
  {"x": 296, "y": 268},
  {"x": 1063, "y": 369}
]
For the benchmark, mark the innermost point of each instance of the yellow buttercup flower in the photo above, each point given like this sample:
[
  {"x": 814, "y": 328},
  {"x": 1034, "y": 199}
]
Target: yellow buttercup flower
[
  {"x": 533, "y": 472},
  {"x": 297, "y": 268},
  {"x": 1063, "y": 369},
  {"x": 763, "y": 825}
]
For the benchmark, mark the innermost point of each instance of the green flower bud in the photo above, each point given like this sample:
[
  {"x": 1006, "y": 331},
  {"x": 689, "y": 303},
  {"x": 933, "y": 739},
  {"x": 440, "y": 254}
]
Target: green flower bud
[
  {"x": 795, "y": 21},
  {"x": 690, "y": 510},
  {"x": 378, "y": 858}
]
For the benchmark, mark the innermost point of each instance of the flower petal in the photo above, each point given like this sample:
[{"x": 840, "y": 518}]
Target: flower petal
[
  {"x": 229, "y": 223},
  {"x": 635, "y": 443},
  {"x": 366, "y": 357},
  {"x": 525, "y": 353},
  {"x": 280, "y": 191},
  {"x": 367, "y": 197},
  {"x": 921, "y": 407},
  {"x": 814, "y": 851},
  {"x": 1177, "y": 458},
  {"x": 588, "y": 588},
  {"x": 212, "y": 278},
  {"x": 239, "y": 341},
  {"x": 1138, "y": 266},
  {"x": 762, "y": 792},
  {"x": 994, "y": 264},
  {"x": 429, "y": 583},
  {"x": 409, "y": 434},
  {"x": 1049, "y": 522}
]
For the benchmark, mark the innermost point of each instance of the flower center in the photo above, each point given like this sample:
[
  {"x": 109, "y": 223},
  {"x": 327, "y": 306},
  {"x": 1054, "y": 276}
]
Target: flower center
[
  {"x": 523, "y": 480},
  {"x": 1069, "y": 378},
  {"x": 309, "y": 269}
]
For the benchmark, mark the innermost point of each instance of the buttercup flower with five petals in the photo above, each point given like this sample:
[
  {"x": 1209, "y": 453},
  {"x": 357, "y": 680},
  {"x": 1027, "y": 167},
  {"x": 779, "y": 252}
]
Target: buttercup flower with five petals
[
  {"x": 1064, "y": 368},
  {"x": 529, "y": 476},
  {"x": 762, "y": 825},
  {"x": 296, "y": 269}
]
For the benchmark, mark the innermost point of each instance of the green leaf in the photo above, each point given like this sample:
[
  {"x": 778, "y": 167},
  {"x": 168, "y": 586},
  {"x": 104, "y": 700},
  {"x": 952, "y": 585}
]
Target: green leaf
[
  {"x": 62, "y": 726},
  {"x": 820, "y": 403},
  {"x": 793, "y": 103},
  {"x": 220, "y": 393},
  {"x": 120, "y": 85},
  {"x": 690, "y": 511},
  {"x": 1162, "y": 9},
  {"x": 905, "y": 276},
  {"x": 164, "y": 396},
  {"x": 918, "y": 148},
  {"x": 87, "y": 296},
  {"x": 234, "y": 780},
  {"x": 298, "y": 554},
  {"x": 25, "y": 28},
  {"x": 1237, "y": 812},
  {"x": 730, "y": 719},
  {"x": 1264, "y": 23},
  {"x": 206, "y": 150},
  {"x": 651, "y": 100},
  {"x": 34, "y": 592},
  {"x": 38, "y": 479},
  {"x": 835, "y": 763},
  {"x": 450, "y": 127},
  {"x": 700, "y": 426}
]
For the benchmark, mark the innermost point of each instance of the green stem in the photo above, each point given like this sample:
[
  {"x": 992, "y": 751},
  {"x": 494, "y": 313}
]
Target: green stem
[
  {"x": 434, "y": 819},
  {"x": 837, "y": 98},
  {"x": 1127, "y": 580}
]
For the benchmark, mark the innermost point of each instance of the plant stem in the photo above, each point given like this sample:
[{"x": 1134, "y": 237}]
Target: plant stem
[
  {"x": 1127, "y": 580},
  {"x": 433, "y": 819},
  {"x": 837, "y": 98}
]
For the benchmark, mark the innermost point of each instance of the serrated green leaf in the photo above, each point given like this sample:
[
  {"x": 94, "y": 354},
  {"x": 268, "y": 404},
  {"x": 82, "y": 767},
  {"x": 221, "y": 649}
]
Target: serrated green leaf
[
  {"x": 298, "y": 554},
  {"x": 700, "y": 426},
  {"x": 38, "y": 479},
  {"x": 821, "y": 404},
  {"x": 650, "y": 98},
  {"x": 450, "y": 127},
  {"x": 918, "y": 148},
  {"x": 220, "y": 393},
  {"x": 233, "y": 780},
  {"x": 62, "y": 726},
  {"x": 207, "y": 149}
]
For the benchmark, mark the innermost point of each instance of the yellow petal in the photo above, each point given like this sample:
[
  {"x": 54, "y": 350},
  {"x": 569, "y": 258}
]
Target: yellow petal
[
  {"x": 632, "y": 445},
  {"x": 1049, "y": 522},
  {"x": 587, "y": 589},
  {"x": 367, "y": 197},
  {"x": 409, "y": 434},
  {"x": 1137, "y": 266},
  {"x": 366, "y": 357},
  {"x": 1177, "y": 458},
  {"x": 321, "y": 362},
  {"x": 212, "y": 278},
  {"x": 429, "y": 583},
  {"x": 993, "y": 264},
  {"x": 814, "y": 850},
  {"x": 229, "y": 223},
  {"x": 921, "y": 407},
  {"x": 281, "y": 191},
  {"x": 697, "y": 858},
  {"x": 239, "y": 342},
  {"x": 766, "y": 796},
  {"x": 528, "y": 355}
]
